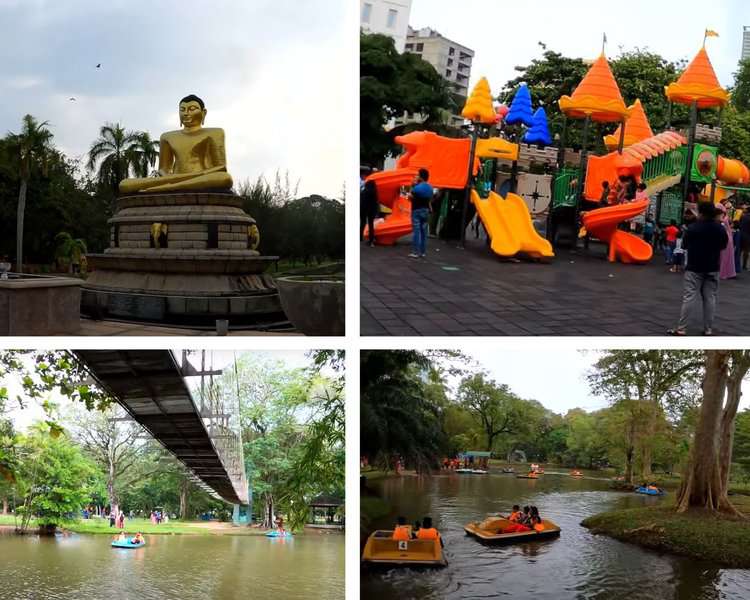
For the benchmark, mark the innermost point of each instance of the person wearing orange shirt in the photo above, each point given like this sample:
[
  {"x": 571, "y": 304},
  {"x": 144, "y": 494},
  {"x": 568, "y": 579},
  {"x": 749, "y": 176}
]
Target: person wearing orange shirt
[{"x": 401, "y": 530}]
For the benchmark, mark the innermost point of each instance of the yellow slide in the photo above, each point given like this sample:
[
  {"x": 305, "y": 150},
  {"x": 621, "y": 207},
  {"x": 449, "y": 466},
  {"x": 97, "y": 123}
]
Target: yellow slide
[{"x": 508, "y": 224}]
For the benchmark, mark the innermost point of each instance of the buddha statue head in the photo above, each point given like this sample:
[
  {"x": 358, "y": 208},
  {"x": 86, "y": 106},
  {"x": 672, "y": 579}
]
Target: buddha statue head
[{"x": 192, "y": 112}]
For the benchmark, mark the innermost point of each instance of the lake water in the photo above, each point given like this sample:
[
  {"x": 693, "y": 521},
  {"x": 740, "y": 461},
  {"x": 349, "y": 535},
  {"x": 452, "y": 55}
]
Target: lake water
[
  {"x": 180, "y": 567},
  {"x": 576, "y": 565}
]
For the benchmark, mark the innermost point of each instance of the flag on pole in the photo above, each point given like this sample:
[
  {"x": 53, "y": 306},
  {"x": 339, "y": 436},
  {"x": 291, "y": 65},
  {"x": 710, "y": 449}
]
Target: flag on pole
[
  {"x": 604, "y": 41},
  {"x": 709, "y": 33}
]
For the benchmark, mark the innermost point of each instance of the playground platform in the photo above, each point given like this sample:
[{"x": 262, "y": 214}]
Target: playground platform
[{"x": 472, "y": 292}]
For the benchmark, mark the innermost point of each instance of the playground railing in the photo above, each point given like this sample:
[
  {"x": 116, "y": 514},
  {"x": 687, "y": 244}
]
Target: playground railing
[
  {"x": 666, "y": 164},
  {"x": 564, "y": 187}
]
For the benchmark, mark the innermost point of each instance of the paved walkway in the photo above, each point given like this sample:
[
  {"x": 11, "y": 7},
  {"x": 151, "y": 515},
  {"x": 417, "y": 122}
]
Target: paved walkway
[{"x": 474, "y": 292}]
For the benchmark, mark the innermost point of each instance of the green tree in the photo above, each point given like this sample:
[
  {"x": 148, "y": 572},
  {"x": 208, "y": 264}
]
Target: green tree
[
  {"x": 391, "y": 84},
  {"x": 143, "y": 154},
  {"x": 396, "y": 418},
  {"x": 31, "y": 149},
  {"x": 115, "y": 153},
  {"x": 741, "y": 451},
  {"x": 69, "y": 249},
  {"x": 498, "y": 410},
  {"x": 741, "y": 89},
  {"x": 663, "y": 382},
  {"x": 56, "y": 479}
]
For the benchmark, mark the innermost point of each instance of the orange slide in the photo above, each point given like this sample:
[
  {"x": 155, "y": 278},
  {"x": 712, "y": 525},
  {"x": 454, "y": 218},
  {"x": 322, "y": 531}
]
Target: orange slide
[
  {"x": 395, "y": 225},
  {"x": 602, "y": 224}
]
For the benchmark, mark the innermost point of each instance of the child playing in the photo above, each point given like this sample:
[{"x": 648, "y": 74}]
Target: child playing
[{"x": 678, "y": 255}]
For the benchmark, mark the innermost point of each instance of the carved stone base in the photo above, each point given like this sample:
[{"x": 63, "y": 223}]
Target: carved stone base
[{"x": 199, "y": 268}]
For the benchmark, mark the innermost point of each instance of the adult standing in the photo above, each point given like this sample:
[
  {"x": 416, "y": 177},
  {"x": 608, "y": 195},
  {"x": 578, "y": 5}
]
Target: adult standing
[
  {"x": 727, "y": 270},
  {"x": 368, "y": 207},
  {"x": 704, "y": 241},
  {"x": 745, "y": 236},
  {"x": 420, "y": 196}
]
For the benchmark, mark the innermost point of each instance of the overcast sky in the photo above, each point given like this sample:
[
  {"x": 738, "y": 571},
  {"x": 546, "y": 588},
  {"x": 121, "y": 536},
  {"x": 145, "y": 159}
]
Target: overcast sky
[
  {"x": 506, "y": 33},
  {"x": 555, "y": 378},
  {"x": 273, "y": 75},
  {"x": 218, "y": 359}
]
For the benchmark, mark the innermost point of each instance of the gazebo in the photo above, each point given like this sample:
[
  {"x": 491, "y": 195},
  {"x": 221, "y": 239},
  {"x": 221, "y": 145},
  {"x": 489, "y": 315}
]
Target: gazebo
[{"x": 324, "y": 512}]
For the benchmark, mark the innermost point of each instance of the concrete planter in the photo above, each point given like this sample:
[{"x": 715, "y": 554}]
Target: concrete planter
[
  {"x": 38, "y": 305},
  {"x": 313, "y": 303}
]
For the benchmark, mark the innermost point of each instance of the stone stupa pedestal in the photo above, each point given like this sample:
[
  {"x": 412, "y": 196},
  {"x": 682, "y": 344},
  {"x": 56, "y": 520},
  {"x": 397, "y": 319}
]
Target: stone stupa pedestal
[{"x": 181, "y": 258}]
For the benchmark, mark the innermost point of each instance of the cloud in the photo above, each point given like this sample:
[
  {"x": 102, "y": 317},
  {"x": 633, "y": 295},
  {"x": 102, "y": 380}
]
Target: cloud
[{"x": 272, "y": 75}]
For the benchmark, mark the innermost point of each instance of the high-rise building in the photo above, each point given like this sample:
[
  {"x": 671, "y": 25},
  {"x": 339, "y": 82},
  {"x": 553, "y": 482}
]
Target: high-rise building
[
  {"x": 745, "y": 42},
  {"x": 450, "y": 59},
  {"x": 389, "y": 17}
]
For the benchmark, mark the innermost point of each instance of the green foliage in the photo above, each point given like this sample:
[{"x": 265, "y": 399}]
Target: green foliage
[
  {"x": 58, "y": 198},
  {"x": 69, "y": 249},
  {"x": 396, "y": 417},
  {"x": 741, "y": 450},
  {"x": 390, "y": 85},
  {"x": 735, "y": 134},
  {"x": 117, "y": 153},
  {"x": 741, "y": 90},
  {"x": 55, "y": 477},
  {"x": 42, "y": 372},
  {"x": 304, "y": 229}
]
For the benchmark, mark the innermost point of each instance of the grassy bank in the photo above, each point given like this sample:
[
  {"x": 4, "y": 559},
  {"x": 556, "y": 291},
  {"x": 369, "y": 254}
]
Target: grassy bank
[
  {"x": 101, "y": 526},
  {"x": 697, "y": 533}
]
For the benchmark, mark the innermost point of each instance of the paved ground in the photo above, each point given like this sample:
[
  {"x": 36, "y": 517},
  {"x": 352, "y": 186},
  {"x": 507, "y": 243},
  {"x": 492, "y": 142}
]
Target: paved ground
[
  {"x": 474, "y": 292},
  {"x": 119, "y": 328}
]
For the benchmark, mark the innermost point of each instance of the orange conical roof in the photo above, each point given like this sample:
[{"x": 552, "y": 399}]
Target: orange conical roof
[
  {"x": 597, "y": 96},
  {"x": 698, "y": 83},
  {"x": 637, "y": 128}
]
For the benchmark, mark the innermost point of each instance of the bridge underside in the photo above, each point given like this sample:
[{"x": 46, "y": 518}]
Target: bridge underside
[{"x": 150, "y": 386}]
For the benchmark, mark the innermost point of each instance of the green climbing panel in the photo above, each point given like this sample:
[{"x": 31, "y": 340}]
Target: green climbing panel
[{"x": 564, "y": 188}]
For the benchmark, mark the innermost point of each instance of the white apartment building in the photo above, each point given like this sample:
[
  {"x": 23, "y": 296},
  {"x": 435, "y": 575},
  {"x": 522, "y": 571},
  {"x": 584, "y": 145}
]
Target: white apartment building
[
  {"x": 745, "y": 42},
  {"x": 450, "y": 59},
  {"x": 389, "y": 17}
]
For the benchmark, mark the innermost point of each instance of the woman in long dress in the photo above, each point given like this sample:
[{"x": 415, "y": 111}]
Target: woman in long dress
[{"x": 727, "y": 269}]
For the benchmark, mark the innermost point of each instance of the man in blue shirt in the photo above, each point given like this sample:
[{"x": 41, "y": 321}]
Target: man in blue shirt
[{"x": 420, "y": 196}]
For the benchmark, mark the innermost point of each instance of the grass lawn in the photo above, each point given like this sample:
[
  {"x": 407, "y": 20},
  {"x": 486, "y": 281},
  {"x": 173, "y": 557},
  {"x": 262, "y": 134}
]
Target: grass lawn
[
  {"x": 101, "y": 526},
  {"x": 697, "y": 534}
]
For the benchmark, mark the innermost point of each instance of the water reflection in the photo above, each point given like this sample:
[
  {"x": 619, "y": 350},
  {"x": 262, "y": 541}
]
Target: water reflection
[
  {"x": 577, "y": 565},
  {"x": 77, "y": 567}
]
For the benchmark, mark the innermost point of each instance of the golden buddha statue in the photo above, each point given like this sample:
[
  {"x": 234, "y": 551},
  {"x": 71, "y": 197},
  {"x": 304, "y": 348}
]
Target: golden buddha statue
[{"x": 191, "y": 158}]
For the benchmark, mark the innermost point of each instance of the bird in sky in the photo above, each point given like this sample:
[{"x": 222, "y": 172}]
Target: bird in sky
[
  {"x": 99, "y": 65},
  {"x": 72, "y": 99}
]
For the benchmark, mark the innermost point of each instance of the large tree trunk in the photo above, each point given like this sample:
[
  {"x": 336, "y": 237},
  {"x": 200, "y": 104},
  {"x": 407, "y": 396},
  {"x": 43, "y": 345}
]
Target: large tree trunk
[
  {"x": 702, "y": 487},
  {"x": 19, "y": 225},
  {"x": 184, "y": 490},
  {"x": 629, "y": 465},
  {"x": 5, "y": 505},
  {"x": 740, "y": 365}
]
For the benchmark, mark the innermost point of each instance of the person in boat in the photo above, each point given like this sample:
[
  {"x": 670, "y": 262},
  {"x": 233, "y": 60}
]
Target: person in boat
[
  {"x": 428, "y": 532},
  {"x": 536, "y": 520},
  {"x": 415, "y": 528},
  {"x": 121, "y": 537},
  {"x": 516, "y": 514},
  {"x": 280, "y": 524},
  {"x": 525, "y": 518},
  {"x": 138, "y": 539},
  {"x": 401, "y": 530}
]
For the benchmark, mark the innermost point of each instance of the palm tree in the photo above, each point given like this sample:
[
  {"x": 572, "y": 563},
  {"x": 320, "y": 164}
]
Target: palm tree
[
  {"x": 143, "y": 154},
  {"x": 32, "y": 147},
  {"x": 69, "y": 249},
  {"x": 115, "y": 152}
]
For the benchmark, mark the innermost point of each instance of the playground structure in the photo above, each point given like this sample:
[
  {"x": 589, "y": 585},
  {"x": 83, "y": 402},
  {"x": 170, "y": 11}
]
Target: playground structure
[{"x": 664, "y": 162}]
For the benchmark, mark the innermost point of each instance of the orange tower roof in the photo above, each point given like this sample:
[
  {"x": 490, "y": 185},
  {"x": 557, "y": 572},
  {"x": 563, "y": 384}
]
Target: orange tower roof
[
  {"x": 596, "y": 96},
  {"x": 698, "y": 83},
  {"x": 637, "y": 128}
]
